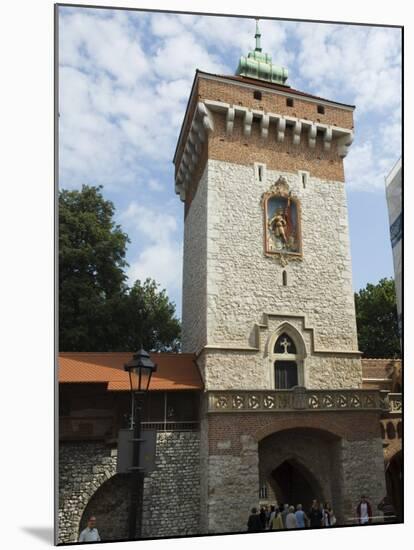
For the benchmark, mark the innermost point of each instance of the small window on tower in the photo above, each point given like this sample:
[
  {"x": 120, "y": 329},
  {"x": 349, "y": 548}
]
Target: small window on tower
[
  {"x": 259, "y": 171},
  {"x": 284, "y": 278},
  {"x": 289, "y": 102},
  {"x": 303, "y": 178},
  {"x": 257, "y": 95},
  {"x": 321, "y": 109}
]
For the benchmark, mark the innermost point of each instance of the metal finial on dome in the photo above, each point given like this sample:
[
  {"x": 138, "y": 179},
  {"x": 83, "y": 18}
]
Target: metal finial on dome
[
  {"x": 257, "y": 37},
  {"x": 259, "y": 65}
]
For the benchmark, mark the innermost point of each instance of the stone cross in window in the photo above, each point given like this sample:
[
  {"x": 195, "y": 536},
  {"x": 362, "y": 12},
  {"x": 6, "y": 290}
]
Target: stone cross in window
[{"x": 285, "y": 344}]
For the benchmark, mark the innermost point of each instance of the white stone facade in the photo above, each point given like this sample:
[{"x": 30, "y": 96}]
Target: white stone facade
[{"x": 234, "y": 300}]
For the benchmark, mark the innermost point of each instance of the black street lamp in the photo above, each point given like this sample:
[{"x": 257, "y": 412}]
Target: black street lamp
[{"x": 140, "y": 370}]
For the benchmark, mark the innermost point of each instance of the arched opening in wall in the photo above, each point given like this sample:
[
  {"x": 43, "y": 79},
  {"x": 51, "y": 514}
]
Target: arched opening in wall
[
  {"x": 302, "y": 464},
  {"x": 394, "y": 481},
  {"x": 110, "y": 504},
  {"x": 293, "y": 484}
]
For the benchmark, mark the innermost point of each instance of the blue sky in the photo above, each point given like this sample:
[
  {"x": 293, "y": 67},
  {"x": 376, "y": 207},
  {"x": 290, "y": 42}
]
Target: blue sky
[{"x": 124, "y": 82}]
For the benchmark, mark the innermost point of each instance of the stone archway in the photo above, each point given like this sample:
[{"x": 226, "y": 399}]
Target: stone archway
[
  {"x": 109, "y": 504},
  {"x": 300, "y": 465},
  {"x": 293, "y": 483},
  {"x": 394, "y": 482}
]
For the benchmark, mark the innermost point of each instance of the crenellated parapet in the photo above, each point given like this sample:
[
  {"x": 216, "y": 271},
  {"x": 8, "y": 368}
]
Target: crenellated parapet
[{"x": 275, "y": 127}]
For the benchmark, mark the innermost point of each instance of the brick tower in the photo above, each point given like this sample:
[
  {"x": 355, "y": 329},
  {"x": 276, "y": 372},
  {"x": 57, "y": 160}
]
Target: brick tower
[{"x": 268, "y": 304}]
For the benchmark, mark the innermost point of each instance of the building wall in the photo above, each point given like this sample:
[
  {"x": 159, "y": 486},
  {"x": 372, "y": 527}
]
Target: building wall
[
  {"x": 88, "y": 484},
  {"x": 195, "y": 271},
  {"x": 316, "y": 451},
  {"x": 342, "y": 450},
  {"x": 273, "y": 101},
  {"x": 172, "y": 491},
  {"x": 393, "y": 184},
  {"x": 364, "y": 474},
  {"x": 230, "y": 285},
  {"x": 243, "y": 283},
  {"x": 246, "y": 150}
]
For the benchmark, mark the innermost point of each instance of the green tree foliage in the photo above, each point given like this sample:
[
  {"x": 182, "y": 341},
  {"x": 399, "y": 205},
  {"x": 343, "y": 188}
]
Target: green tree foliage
[
  {"x": 97, "y": 310},
  {"x": 377, "y": 320}
]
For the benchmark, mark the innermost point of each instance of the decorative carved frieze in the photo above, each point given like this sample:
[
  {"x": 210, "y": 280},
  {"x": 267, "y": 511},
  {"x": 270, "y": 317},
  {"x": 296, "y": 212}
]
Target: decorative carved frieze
[
  {"x": 298, "y": 398},
  {"x": 395, "y": 403}
]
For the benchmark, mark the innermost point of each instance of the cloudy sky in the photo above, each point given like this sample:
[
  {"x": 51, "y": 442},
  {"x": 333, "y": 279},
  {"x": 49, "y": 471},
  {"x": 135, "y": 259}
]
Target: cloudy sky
[{"x": 124, "y": 82}]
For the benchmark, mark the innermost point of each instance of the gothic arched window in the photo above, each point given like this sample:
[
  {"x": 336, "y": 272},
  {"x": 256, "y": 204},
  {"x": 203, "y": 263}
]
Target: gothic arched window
[{"x": 285, "y": 344}]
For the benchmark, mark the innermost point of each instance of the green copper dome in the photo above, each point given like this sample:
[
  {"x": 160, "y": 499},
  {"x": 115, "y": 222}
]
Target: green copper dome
[{"x": 259, "y": 65}]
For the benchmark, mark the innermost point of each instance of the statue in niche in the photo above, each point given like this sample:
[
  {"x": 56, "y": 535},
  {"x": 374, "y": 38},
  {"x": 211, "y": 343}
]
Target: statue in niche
[{"x": 282, "y": 229}]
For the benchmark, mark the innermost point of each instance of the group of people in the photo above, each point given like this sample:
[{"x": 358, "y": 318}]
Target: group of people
[
  {"x": 285, "y": 516},
  {"x": 276, "y": 517}
]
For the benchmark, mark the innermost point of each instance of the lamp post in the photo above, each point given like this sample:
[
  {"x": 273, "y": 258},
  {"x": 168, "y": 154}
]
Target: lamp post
[{"x": 140, "y": 370}]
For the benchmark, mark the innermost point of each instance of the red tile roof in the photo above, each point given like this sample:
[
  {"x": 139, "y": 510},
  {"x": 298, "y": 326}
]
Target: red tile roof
[{"x": 175, "y": 371}]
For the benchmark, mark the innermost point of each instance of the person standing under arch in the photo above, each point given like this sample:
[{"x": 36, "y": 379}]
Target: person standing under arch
[{"x": 90, "y": 533}]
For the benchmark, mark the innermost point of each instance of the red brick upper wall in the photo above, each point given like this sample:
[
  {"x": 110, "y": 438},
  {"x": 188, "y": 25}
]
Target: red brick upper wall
[{"x": 240, "y": 92}]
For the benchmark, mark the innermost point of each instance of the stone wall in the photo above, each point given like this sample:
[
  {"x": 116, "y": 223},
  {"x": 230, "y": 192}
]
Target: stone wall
[
  {"x": 194, "y": 271},
  {"x": 233, "y": 484},
  {"x": 230, "y": 286},
  {"x": 243, "y": 284},
  {"x": 88, "y": 486},
  {"x": 363, "y": 471},
  {"x": 172, "y": 491},
  {"x": 83, "y": 468}
]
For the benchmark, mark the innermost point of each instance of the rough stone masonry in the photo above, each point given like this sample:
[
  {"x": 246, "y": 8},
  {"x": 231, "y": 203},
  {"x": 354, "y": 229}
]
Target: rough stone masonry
[{"x": 89, "y": 485}]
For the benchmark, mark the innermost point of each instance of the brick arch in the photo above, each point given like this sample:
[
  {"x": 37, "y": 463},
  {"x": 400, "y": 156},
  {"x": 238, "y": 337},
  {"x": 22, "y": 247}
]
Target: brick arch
[{"x": 330, "y": 427}]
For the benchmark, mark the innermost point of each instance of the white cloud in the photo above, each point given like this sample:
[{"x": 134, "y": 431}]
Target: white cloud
[
  {"x": 125, "y": 79},
  {"x": 179, "y": 56},
  {"x": 163, "y": 263},
  {"x": 121, "y": 106},
  {"x": 365, "y": 169},
  {"x": 358, "y": 62},
  {"x": 161, "y": 255},
  {"x": 155, "y": 185},
  {"x": 156, "y": 226}
]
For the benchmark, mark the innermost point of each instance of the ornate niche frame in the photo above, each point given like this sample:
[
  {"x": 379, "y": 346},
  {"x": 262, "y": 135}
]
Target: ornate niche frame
[{"x": 282, "y": 223}]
